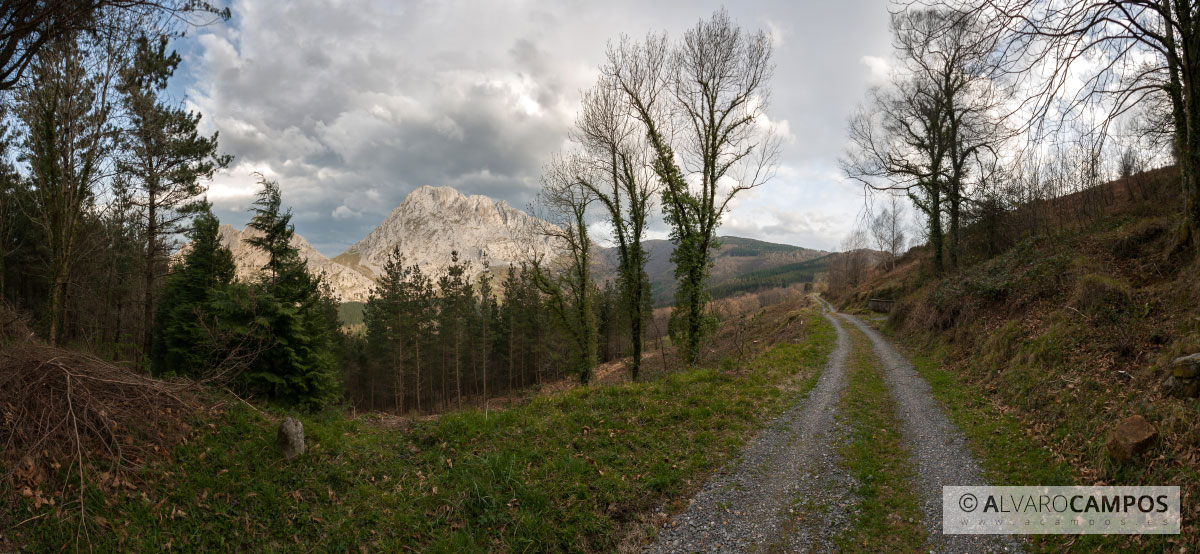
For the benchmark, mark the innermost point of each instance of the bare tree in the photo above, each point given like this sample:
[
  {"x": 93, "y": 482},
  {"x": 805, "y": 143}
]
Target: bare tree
[
  {"x": 887, "y": 228},
  {"x": 30, "y": 25},
  {"x": 569, "y": 286},
  {"x": 701, "y": 106},
  {"x": 1129, "y": 51},
  {"x": 849, "y": 267},
  {"x": 933, "y": 128},
  {"x": 617, "y": 171}
]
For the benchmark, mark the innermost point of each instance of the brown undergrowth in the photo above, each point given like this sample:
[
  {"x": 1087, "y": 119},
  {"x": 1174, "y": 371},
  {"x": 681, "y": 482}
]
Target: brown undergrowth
[{"x": 73, "y": 423}]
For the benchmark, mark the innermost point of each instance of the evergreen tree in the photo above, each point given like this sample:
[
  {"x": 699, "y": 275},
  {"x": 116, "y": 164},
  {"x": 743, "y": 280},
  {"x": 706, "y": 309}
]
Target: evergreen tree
[
  {"x": 389, "y": 318},
  {"x": 456, "y": 292},
  {"x": 296, "y": 365},
  {"x": 486, "y": 322},
  {"x": 185, "y": 322},
  {"x": 10, "y": 194},
  {"x": 68, "y": 138},
  {"x": 167, "y": 157}
]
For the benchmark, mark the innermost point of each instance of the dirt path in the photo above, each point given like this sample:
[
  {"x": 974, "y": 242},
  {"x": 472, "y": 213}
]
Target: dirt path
[
  {"x": 758, "y": 502},
  {"x": 942, "y": 455}
]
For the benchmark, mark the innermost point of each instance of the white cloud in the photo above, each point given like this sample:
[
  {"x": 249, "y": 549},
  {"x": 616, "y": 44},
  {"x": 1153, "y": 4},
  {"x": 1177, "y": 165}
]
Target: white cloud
[
  {"x": 350, "y": 108},
  {"x": 343, "y": 212},
  {"x": 775, "y": 33},
  {"x": 878, "y": 68}
]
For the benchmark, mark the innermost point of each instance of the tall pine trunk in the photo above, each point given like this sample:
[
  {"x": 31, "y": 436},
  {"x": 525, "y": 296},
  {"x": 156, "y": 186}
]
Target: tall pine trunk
[{"x": 148, "y": 308}]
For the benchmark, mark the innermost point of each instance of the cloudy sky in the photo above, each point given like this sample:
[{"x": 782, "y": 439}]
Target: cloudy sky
[{"x": 352, "y": 105}]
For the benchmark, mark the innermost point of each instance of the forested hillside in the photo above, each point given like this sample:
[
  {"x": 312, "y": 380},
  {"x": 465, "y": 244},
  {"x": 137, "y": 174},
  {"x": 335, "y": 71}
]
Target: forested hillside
[{"x": 739, "y": 265}]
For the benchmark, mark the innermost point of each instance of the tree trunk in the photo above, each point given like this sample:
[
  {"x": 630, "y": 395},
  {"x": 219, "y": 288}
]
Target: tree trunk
[
  {"x": 417, "y": 365},
  {"x": 695, "y": 308},
  {"x": 458, "y": 364},
  {"x": 148, "y": 308},
  {"x": 483, "y": 358},
  {"x": 398, "y": 376},
  {"x": 635, "y": 327},
  {"x": 512, "y": 354},
  {"x": 935, "y": 231},
  {"x": 58, "y": 294},
  {"x": 955, "y": 202}
]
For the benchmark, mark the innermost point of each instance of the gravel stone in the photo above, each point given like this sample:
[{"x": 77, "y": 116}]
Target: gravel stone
[
  {"x": 786, "y": 489},
  {"x": 939, "y": 448}
]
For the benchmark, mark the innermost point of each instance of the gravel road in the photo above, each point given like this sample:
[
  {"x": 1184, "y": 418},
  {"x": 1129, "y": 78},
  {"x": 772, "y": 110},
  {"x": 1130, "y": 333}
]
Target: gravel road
[
  {"x": 941, "y": 453},
  {"x": 762, "y": 501},
  {"x": 786, "y": 492}
]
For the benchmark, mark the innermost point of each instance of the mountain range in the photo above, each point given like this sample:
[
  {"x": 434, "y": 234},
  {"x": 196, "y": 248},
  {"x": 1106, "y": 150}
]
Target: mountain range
[{"x": 433, "y": 221}]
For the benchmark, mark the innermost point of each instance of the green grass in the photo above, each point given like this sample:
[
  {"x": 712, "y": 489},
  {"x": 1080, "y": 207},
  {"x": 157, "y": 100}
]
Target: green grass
[
  {"x": 574, "y": 472},
  {"x": 888, "y": 514}
]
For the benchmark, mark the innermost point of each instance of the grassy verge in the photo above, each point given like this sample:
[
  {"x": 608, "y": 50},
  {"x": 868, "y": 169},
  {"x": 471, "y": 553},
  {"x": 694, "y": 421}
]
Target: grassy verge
[
  {"x": 1009, "y": 454},
  {"x": 572, "y": 472},
  {"x": 888, "y": 516}
]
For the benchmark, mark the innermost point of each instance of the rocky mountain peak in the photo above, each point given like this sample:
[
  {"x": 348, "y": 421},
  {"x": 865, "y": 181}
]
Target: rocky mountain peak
[{"x": 433, "y": 221}]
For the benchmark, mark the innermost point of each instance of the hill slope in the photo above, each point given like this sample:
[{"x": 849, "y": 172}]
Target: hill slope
[
  {"x": 735, "y": 258},
  {"x": 1070, "y": 330},
  {"x": 587, "y": 469}
]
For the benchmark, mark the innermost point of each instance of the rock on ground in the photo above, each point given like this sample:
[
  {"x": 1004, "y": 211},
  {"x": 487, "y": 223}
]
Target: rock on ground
[{"x": 290, "y": 437}]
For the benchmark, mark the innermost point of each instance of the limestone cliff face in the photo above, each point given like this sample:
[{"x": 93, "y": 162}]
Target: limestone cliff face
[
  {"x": 348, "y": 285},
  {"x": 433, "y": 221},
  {"x": 426, "y": 227}
]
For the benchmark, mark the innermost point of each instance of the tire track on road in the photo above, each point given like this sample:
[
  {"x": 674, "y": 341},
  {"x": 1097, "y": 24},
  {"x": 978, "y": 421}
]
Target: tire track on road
[
  {"x": 940, "y": 450},
  {"x": 750, "y": 505}
]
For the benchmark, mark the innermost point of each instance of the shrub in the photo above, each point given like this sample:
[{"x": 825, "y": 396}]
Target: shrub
[
  {"x": 1101, "y": 296},
  {"x": 1001, "y": 344}
]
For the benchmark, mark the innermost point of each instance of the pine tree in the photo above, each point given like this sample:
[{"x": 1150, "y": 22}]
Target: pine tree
[
  {"x": 297, "y": 364},
  {"x": 167, "y": 158},
  {"x": 185, "y": 321},
  {"x": 487, "y": 320},
  {"x": 455, "y": 292},
  {"x": 11, "y": 189},
  {"x": 390, "y": 322},
  {"x": 68, "y": 138}
]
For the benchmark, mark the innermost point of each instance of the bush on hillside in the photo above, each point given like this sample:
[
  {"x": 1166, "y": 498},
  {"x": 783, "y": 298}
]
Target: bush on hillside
[{"x": 1101, "y": 296}]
